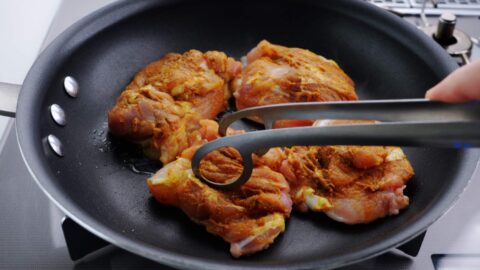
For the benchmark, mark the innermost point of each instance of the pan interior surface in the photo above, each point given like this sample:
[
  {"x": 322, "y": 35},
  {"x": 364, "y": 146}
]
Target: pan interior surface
[{"x": 94, "y": 181}]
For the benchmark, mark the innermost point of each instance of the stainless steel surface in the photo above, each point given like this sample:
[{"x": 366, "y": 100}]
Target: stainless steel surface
[
  {"x": 398, "y": 110},
  {"x": 58, "y": 114},
  {"x": 454, "y": 4},
  {"x": 71, "y": 86},
  {"x": 414, "y": 7},
  {"x": 465, "y": 58},
  {"x": 454, "y": 261},
  {"x": 422, "y": 12},
  {"x": 463, "y": 45},
  {"x": 55, "y": 144},
  {"x": 391, "y": 3},
  {"x": 460, "y": 45},
  {"x": 8, "y": 99},
  {"x": 30, "y": 231},
  {"x": 475, "y": 40},
  {"x": 448, "y": 17}
]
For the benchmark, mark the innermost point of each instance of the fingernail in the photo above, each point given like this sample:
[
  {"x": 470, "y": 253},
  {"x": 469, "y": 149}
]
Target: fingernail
[{"x": 427, "y": 94}]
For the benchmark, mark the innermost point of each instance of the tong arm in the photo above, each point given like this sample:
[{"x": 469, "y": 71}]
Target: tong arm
[
  {"x": 449, "y": 135},
  {"x": 395, "y": 110}
]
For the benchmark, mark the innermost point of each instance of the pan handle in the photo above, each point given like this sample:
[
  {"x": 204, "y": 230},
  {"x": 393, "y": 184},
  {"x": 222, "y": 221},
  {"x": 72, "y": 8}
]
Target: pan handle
[{"x": 8, "y": 99}]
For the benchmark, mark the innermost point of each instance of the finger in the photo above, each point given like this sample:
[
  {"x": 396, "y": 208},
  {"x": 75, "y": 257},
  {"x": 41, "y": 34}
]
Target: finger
[
  {"x": 462, "y": 85},
  {"x": 447, "y": 90}
]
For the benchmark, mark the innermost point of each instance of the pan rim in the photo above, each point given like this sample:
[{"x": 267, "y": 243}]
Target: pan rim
[{"x": 40, "y": 174}]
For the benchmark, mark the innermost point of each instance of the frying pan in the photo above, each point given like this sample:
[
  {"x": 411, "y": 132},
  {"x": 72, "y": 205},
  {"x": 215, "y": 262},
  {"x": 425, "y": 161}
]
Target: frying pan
[{"x": 94, "y": 185}]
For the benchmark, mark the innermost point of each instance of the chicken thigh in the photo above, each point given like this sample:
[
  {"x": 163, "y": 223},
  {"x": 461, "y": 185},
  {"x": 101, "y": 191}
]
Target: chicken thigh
[
  {"x": 276, "y": 74},
  {"x": 249, "y": 217},
  {"x": 351, "y": 184},
  {"x": 162, "y": 107}
]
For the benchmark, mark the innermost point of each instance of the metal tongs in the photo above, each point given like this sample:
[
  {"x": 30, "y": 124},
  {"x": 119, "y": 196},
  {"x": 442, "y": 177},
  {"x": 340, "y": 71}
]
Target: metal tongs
[{"x": 404, "y": 122}]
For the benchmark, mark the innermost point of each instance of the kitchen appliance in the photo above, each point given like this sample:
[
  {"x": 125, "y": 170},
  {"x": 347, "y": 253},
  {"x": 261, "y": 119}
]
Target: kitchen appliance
[{"x": 119, "y": 257}]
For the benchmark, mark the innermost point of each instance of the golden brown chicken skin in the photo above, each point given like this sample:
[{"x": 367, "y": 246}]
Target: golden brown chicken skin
[
  {"x": 277, "y": 74},
  {"x": 199, "y": 78},
  {"x": 351, "y": 184},
  {"x": 249, "y": 217},
  {"x": 163, "y": 106}
]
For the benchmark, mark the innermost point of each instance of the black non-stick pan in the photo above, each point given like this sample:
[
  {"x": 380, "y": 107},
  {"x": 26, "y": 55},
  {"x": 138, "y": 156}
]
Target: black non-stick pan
[{"x": 93, "y": 182}]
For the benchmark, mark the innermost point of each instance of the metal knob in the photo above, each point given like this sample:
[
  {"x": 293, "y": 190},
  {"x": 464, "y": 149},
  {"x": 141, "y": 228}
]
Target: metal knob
[
  {"x": 456, "y": 42},
  {"x": 445, "y": 28}
]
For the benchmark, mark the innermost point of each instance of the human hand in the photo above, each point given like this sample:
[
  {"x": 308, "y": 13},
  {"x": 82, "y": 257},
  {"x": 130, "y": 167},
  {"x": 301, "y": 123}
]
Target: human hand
[{"x": 462, "y": 85}]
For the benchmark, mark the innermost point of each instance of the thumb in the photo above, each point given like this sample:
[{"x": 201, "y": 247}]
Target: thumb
[{"x": 462, "y": 85}]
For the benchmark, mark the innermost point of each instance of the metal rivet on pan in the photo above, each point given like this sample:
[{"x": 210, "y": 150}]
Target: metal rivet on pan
[
  {"x": 58, "y": 114},
  {"x": 55, "y": 144},
  {"x": 71, "y": 86}
]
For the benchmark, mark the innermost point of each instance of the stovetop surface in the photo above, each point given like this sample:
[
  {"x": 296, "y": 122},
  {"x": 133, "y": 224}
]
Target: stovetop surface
[{"x": 31, "y": 234}]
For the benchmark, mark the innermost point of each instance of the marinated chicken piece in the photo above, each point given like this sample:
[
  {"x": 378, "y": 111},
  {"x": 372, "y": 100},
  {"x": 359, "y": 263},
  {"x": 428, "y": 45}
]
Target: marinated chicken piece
[
  {"x": 199, "y": 78},
  {"x": 273, "y": 158},
  {"x": 208, "y": 132},
  {"x": 351, "y": 184},
  {"x": 222, "y": 165},
  {"x": 276, "y": 74},
  {"x": 163, "y": 107},
  {"x": 249, "y": 217},
  {"x": 162, "y": 126}
]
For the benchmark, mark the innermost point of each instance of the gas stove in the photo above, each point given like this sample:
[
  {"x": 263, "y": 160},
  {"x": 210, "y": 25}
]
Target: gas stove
[{"x": 31, "y": 233}]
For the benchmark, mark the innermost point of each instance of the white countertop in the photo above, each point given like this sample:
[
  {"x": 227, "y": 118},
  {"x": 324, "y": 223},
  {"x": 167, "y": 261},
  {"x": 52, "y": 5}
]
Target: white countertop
[
  {"x": 23, "y": 26},
  {"x": 26, "y": 28}
]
